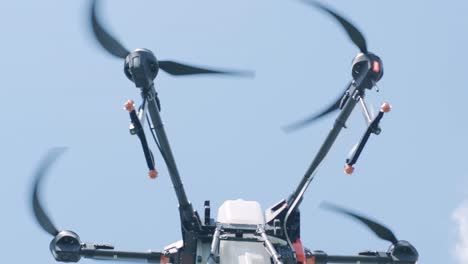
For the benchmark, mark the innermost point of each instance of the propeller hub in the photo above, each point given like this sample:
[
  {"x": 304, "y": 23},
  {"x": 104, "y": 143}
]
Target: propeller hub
[
  {"x": 403, "y": 251},
  {"x": 141, "y": 67},
  {"x": 364, "y": 61},
  {"x": 65, "y": 247}
]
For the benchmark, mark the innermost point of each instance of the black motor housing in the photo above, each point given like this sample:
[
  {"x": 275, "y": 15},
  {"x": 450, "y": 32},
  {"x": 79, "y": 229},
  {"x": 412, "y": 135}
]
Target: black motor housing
[
  {"x": 141, "y": 67},
  {"x": 404, "y": 252},
  {"x": 65, "y": 247},
  {"x": 371, "y": 62}
]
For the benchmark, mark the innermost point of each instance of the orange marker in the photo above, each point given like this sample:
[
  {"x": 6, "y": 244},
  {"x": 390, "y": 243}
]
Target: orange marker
[
  {"x": 385, "y": 107},
  {"x": 153, "y": 174},
  {"x": 348, "y": 169},
  {"x": 129, "y": 106}
]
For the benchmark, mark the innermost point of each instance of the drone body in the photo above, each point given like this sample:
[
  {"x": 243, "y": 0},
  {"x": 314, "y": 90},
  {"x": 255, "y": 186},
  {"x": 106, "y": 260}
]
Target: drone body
[{"x": 242, "y": 232}]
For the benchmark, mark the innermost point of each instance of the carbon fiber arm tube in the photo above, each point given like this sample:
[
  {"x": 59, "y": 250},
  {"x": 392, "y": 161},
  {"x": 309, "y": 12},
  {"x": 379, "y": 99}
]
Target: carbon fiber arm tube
[
  {"x": 320, "y": 257},
  {"x": 187, "y": 216},
  {"x": 106, "y": 254}
]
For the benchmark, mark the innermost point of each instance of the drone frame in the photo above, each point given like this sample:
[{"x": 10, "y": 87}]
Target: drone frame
[{"x": 283, "y": 222}]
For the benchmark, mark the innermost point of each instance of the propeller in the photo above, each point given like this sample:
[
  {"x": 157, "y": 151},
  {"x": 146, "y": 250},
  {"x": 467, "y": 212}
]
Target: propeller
[
  {"x": 106, "y": 40},
  {"x": 380, "y": 230},
  {"x": 42, "y": 218},
  {"x": 401, "y": 251},
  {"x": 304, "y": 122},
  {"x": 354, "y": 34},
  {"x": 357, "y": 38},
  {"x": 115, "y": 48}
]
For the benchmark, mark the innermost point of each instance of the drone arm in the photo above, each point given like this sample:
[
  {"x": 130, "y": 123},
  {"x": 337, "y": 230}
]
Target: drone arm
[
  {"x": 187, "y": 214},
  {"x": 67, "y": 247},
  {"x": 320, "y": 257},
  {"x": 93, "y": 252},
  {"x": 355, "y": 93}
]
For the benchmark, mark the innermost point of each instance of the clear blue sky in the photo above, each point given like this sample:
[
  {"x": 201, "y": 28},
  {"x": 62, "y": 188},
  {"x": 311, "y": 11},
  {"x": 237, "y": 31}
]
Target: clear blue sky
[{"x": 60, "y": 89}]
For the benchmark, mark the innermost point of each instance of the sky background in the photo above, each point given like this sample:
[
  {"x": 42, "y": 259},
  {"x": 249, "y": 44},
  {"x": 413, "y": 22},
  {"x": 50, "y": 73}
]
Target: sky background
[{"x": 59, "y": 88}]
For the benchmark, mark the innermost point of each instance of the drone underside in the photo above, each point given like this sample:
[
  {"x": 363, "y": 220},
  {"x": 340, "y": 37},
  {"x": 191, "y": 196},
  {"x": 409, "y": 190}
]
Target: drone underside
[{"x": 242, "y": 232}]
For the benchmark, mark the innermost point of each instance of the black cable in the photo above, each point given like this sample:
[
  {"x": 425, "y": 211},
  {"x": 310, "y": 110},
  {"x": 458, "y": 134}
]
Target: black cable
[{"x": 151, "y": 126}]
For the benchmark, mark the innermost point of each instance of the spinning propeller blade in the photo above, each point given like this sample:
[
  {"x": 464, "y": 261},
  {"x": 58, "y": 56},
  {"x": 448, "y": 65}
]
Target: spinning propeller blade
[
  {"x": 302, "y": 123},
  {"x": 354, "y": 34},
  {"x": 108, "y": 42},
  {"x": 41, "y": 217},
  {"x": 356, "y": 37},
  {"x": 115, "y": 48},
  {"x": 380, "y": 230},
  {"x": 176, "y": 68}
]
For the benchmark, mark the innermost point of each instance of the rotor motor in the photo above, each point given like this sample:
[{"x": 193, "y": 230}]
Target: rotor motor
[
  {"x": 373, "y": 62},
  {"x": 141, "y": 67},
  {"x": 65, "y": 247},
  {"x": 403, "y": 251}
]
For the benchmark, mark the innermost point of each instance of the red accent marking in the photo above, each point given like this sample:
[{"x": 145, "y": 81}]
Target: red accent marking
[
  {"x": 164, "y": 260},
  {"x": 300, "y": 253},
  {"x": 311, "y": 260},
  {"x": 375, "y": 66}
]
